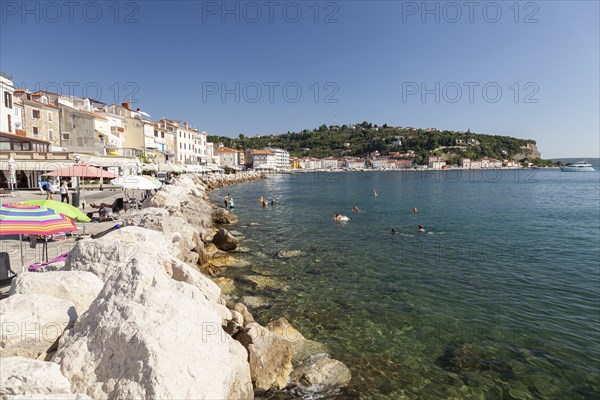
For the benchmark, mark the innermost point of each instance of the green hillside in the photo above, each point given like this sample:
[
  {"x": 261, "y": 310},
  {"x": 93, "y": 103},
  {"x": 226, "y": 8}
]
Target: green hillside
[{"x": 360, "y": 139}]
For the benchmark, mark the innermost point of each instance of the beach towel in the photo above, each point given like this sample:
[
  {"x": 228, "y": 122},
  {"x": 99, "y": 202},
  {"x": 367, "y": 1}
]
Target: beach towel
[{"x": 37, "y": 266}]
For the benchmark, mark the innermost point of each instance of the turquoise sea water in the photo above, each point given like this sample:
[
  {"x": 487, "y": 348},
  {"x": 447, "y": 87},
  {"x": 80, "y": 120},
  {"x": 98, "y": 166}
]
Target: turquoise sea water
[{"x": 499, "y": 299}]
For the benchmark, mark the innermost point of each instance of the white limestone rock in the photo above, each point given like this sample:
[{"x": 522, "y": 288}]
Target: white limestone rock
[
  {"x": 320, "y": 373},
  {"x": 149, "y": 336},
  {"x": 79, "y": 287},
  {"x": 270, "y": 357},
  {"x": 31, "y": 378},
  {"x": 31, "y": 323},
  {"x": 109, "y": 254},
  {"x": 302, "y": 348}
]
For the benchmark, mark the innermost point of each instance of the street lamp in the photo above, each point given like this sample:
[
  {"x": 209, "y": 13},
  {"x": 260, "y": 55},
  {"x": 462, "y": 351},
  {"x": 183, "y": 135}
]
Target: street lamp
[{"x": 76, "y": 203}]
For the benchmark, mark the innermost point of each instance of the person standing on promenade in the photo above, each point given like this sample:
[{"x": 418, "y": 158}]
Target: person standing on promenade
[
  {"x": 49, "y": 190},
  {"x": 64, "y": 192}
]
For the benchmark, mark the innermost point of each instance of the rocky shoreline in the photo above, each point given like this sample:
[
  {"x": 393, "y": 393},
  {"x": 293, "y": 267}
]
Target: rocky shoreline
[{"x": 139, "y": 313}]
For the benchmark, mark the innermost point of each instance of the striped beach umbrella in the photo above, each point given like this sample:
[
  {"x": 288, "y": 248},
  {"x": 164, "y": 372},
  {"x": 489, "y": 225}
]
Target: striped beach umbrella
[
  {"x": 26, "y": 219},
  {"x": 23, "y": 219},
  {"x": 64, "y": 208}
]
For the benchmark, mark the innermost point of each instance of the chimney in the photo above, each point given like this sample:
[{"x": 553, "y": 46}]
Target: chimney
[
  {"x": 186, "y": 125},
  {"x": 126, "y": 104}
]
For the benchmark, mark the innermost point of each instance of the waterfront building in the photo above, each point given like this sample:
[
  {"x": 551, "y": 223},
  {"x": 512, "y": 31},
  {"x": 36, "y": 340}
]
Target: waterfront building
[
  {"x": 490, "y": 163},
  {"x": 258, "y": 159},
  {"x": 282, "y": 158},
  {"x": 380, "y": 163},
  {"x": 19, "y": 120},
  {"x": 403, "y": 164},
  {"x": 464, "y": 163},
  {"x": 475, "y": 164},
  {"x": 354, "y": 163},
  {"x": 201, "y": 149},
  {"x": 229, "y": 157},
  {"x": 134, "y": 143},
  {"x": 295, "y": 163},
  {"x": 329, "y": 163},
  {"x": 310, "y": 163},
  {"x": 41, "y": 118},
  {"x": 7, "y": 108}
]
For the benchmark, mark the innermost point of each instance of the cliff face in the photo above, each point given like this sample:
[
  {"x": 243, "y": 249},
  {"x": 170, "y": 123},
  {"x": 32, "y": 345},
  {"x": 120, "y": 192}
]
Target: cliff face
[{"x": 529, "y": 151}]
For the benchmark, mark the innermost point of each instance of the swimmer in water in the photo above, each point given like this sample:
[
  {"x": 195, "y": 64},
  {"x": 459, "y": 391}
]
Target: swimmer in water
[
  {"x": 356, "y": 209},
  {"x": 421, "y": 228},
  {"x": 393, "y": 231},
  {"x": 414, "y": 210}
]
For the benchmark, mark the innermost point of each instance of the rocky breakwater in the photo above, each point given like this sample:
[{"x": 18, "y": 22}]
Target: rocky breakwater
[{"x": 131, "y": 315}]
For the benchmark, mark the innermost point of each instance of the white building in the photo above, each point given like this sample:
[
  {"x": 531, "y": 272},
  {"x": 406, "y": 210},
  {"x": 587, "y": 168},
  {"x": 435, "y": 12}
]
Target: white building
[
  {"x": 7, "y": 109},
  {"x": 491, "y": 163},
  {"x": 436, "y": 165},
  {"x": 261, "y": 159},
  {"x": 329, "y": 163},
  {"x": 354, "y": 163},
  {"x": 201, "y": 148},
  {"x": 211, "y": 159},
  {"x": 380, "y": 163},
  {"x": 19, "y": 120},
  {"x": 310, "y": 163},
  {"x": 282, "y": 158},
  {"x": 465, "y": 163},
  {"x": 475, "y": 164}
]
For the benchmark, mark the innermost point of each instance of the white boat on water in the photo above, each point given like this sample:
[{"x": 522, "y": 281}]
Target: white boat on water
[{"x": 577, "y": 167}]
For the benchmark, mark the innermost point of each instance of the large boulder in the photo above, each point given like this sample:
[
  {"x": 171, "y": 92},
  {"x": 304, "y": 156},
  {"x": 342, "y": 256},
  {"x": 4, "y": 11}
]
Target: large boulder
[
  {"x": 241, "y": 309},
  {"x": 319, "y": 373},
  {"x": 166, "y": 199},
  {"x": 302, "y": 348},
  {"x": 270, "y": 357},
  {"x": 109, "y": 254},
  {"x": 196, "y": 212},
  {"x": 149, "y": 218},
  {"x": 184, "y": 273},
  {"x": 25, "y": 376},
  {"x": 79, "y": 287},
  {"x": 137, "y": 341},
  {"x": 224, "y": 217},
  {"x": 225, "y": 241},
  {"x": 200, "y": 249},
  {"x": 31, "y": 323},
  {"x": 179, "y": 234}
]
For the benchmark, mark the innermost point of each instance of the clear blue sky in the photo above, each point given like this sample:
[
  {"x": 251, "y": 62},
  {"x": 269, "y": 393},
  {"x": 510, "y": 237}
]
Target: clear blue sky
[{"x": 373, "y": 57}]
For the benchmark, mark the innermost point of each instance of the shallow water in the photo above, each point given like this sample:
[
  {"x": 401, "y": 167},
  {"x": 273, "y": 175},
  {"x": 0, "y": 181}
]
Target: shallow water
[{"x": 498, "y": 299}]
